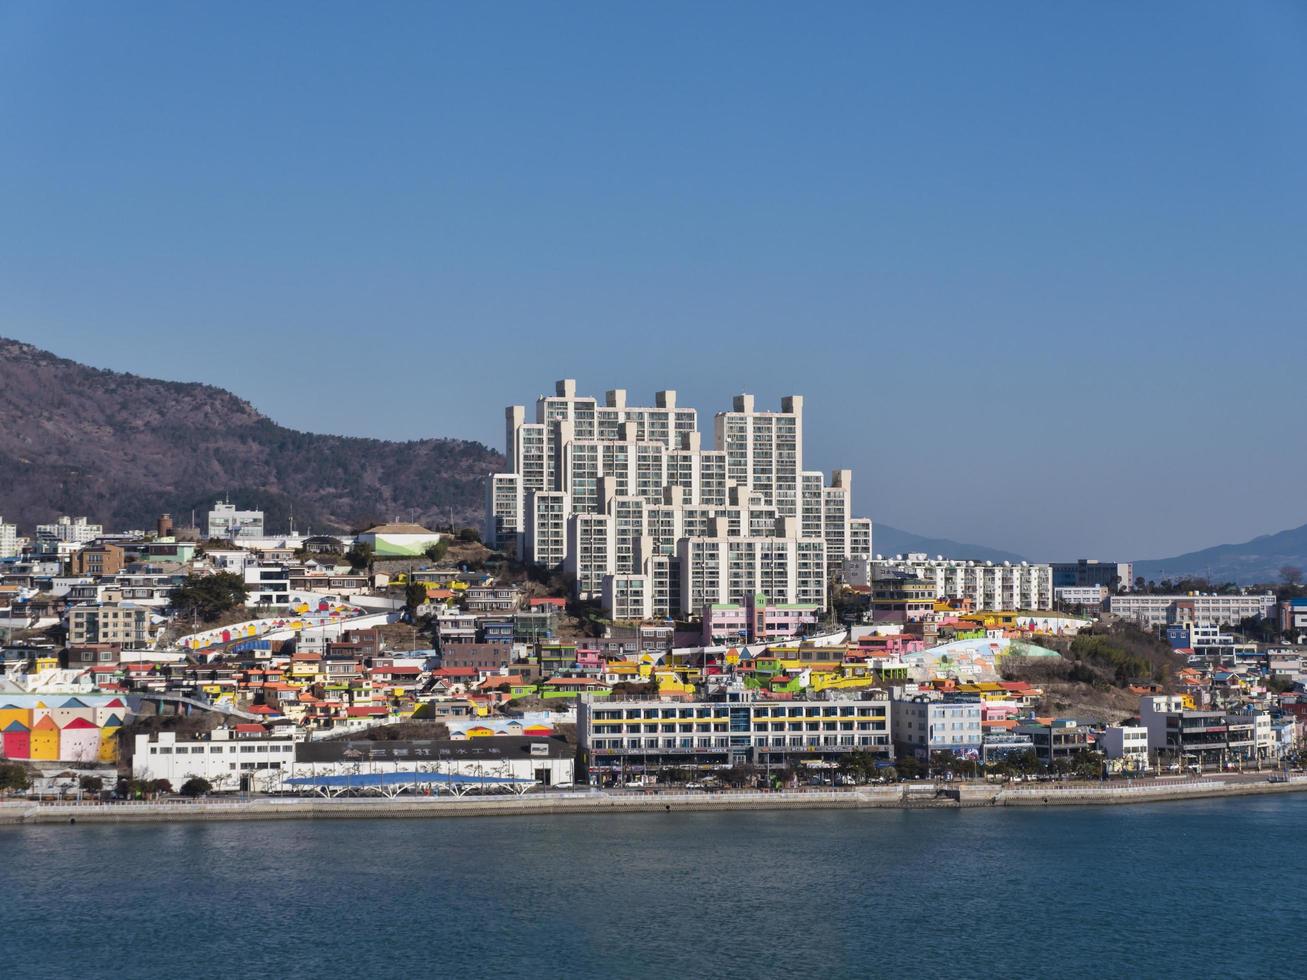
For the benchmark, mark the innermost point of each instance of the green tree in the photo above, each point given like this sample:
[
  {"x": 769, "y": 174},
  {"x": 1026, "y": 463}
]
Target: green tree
[
  {"x": 469, "y": 535},
  {"x": 91, "y": 784},
  {"x": 14, "y": 776},
  {"x": 359, "y": 556},
  {"x": 158, "y": 786},
  {"x": 415, "y": 594},
  {"x": 438, "y": 550},
  {"x": 908, "y": 765},
  {"x": 196, "y": 786},
  {"x": 208, "y": 596}
]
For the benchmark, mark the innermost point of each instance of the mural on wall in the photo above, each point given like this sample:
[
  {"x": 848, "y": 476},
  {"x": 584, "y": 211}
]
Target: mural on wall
[{"x": 77, "y": 729}]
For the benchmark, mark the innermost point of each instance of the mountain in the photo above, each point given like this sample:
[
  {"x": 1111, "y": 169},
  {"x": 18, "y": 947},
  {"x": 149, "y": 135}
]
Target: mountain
[
  {"x": 122, "y": 449},
  {"x": 1254, "y": 562},
  {"x": 886, "y": 540}
]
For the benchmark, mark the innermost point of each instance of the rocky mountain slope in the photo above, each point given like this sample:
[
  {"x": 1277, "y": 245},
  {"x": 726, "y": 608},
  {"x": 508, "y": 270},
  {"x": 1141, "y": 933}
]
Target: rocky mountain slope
[{"x": 123, "y": 449}]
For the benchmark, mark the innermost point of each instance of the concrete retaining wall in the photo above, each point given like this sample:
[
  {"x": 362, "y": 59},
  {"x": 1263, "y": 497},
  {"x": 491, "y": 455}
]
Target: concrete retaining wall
[{"x": 885, "y": 797}]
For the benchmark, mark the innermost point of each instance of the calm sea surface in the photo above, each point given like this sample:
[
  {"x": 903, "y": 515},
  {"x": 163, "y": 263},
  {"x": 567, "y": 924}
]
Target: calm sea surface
[{"x": 1195, "y": 889}]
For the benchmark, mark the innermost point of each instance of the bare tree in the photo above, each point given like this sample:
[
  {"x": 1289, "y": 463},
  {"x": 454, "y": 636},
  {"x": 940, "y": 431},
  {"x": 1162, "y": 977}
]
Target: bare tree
[{"x": 1291, "y": 575}]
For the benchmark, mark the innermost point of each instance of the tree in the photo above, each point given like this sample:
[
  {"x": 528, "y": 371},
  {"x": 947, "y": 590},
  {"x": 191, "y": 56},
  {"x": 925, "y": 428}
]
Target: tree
[
  {"x": 415, "y": 594},
  {"x": 1291, "y": 575},
  {"x": 739, "y": 775},
  {"x": 359, "y": 556},
  {"x": 14, "y": 776},
  {"x": 469, "y": 535},
  {"x": 908, "y": 765},
  {"x": 160, "y": 786},
  {"x": 208, "y": 596},
  {"x": 196, "y": 786},
  {"x": 437, "y": 551},
  {"x": 91, "y": 784}
]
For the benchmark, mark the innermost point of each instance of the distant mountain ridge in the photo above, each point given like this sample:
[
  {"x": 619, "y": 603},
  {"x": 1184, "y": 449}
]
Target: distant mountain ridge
[
  {"x": 886, "y": 540},
  {"x": 1252, "y": 562},
  {"x": 122, "y": 449}
]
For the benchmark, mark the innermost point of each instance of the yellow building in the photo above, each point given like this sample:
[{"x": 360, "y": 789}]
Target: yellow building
[
  {"x": 109, "y": 739},
  {"x": 670, "y": 684},
  {"x": 10, "y": 714},
  {"x": 45, "y": 740}
]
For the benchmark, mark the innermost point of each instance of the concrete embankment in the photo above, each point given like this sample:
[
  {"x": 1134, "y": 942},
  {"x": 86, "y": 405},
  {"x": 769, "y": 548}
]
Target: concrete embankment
[{"x": 905, "y": 796}]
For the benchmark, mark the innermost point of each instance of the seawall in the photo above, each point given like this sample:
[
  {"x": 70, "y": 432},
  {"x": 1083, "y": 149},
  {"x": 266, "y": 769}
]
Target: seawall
[{"x": 903, "y": 796}]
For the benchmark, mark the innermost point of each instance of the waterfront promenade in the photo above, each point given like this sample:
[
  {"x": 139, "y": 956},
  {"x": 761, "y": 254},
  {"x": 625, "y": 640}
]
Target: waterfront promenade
[{"x": 917, "y": 795}]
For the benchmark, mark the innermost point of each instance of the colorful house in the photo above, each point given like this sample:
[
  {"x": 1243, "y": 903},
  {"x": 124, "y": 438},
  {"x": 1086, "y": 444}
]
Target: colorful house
[
  {"x": 10, "y": 713},
  {"x": 45, "y": 740},
  {"x": 16, "y": 741},
  {"x": 109, "y": 739},
  {"x": 79, "y": 741},
  {"x": 112, "y": 709},
  {"x": 71, "y": 709}
]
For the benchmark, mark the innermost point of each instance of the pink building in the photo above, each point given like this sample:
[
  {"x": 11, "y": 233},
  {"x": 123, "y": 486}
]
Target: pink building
[
  {"x": 894, "y": 644},
  {"x": 756, "y": 621}
]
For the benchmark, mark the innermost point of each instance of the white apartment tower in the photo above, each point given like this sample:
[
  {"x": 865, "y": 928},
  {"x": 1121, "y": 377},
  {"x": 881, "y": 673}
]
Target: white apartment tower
[
  {"x": 628, "y": 500},
  {"x": 8, "y": 539}
]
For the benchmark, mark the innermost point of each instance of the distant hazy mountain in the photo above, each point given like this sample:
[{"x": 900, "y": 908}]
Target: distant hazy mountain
[
  {"x": 122, "y": 449},
  {"x": 888, "y": 540},
  {"x": 1255, "y": 561}
]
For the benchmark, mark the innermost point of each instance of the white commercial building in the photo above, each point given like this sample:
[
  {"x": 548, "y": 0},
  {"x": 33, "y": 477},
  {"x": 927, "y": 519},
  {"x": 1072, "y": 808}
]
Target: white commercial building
[
  {"x": 228, "y": 759},
  {"x": 226, "y": 522},
  {"x": 985, "y": 585},
  {"x": 233, "y": 759},
  {"x": 1200, "y": 608},
  {"x": 649, "y": 735},
  {"x": 1126, "y": 747},
  {"x": 923, "y": 726}
]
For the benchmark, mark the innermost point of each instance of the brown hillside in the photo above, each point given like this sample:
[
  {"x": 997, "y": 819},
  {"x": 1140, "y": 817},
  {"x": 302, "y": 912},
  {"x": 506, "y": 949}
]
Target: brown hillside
[{"x": 122, "y": 449}]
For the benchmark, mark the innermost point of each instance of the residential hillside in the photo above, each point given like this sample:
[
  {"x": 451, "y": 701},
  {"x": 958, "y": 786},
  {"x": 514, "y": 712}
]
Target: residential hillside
[
  {"x": 122, "y": 449},
  {"x": 1258, "y": 560}
]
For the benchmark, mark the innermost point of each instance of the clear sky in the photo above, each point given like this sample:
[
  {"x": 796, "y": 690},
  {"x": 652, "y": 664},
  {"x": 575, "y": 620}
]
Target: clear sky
[{"x": 1040, "y": 269}]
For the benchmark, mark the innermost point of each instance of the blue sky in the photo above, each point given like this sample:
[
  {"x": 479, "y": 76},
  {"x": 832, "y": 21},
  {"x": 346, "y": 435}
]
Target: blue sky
[{"x": 1038, "y": 268}]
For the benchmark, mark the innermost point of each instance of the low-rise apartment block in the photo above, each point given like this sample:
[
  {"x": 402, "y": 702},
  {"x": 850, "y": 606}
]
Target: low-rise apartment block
[
  {"x": 1201, "y": 608},
  {"x": 984, "y": 585},
  {"x": 116, "y": 623}
]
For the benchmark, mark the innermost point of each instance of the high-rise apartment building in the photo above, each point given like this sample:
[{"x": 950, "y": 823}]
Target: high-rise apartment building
[
  {"x": 8, "y": 539},
  {"x": 629, "y": 501}
]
